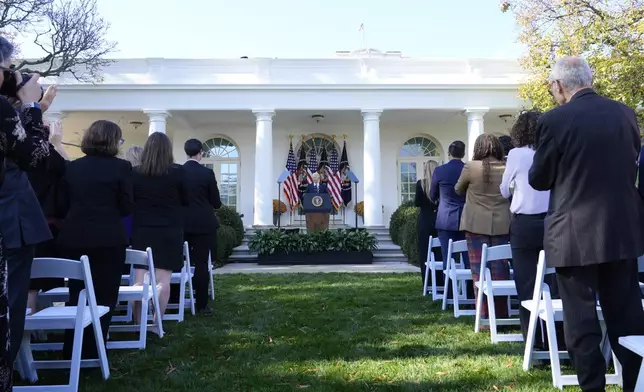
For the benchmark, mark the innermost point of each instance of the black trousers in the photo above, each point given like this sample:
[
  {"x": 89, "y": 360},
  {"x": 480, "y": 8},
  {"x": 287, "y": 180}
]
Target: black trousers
[
  {"x": 616, "y": 284},
  {"x": 106, "y": 265},
  {"x": 526, "y": 241},
  {"x": 200, "y": 246},
  {"x": 48, "y": 249},
  {"x": 19, "y": 262}
]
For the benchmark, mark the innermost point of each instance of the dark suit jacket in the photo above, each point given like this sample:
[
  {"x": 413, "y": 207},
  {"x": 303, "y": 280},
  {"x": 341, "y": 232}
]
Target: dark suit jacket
[
  {"x": 450, "y": 204},
  {"x": 45, "y": 182},
  {"x": 23, "y": 147},
  {"x": 94, "y": 195},
  {"x": 323, "y": 188},
  {"x": 428, "y": 209},
  {"x": 595, "y": 212},
  {"x": 158, "y": 200},
  {"x": 203, "y": 197}
]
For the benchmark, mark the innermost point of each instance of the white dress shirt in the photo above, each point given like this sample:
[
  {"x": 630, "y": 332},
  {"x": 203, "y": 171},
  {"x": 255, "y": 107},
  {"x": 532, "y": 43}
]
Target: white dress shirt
[{"x": 525, "y": 200}]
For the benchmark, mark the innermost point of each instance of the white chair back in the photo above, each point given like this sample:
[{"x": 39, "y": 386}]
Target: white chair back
[{"x": 457, "y": 246}]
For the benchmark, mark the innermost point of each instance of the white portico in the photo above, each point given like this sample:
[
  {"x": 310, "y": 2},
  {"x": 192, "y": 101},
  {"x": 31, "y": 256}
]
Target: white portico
[{"x": 394, "y": 113}]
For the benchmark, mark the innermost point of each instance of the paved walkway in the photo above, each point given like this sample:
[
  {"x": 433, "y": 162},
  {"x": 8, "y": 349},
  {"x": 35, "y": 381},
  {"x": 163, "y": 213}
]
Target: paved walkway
[{"x": 252, "y": 268}]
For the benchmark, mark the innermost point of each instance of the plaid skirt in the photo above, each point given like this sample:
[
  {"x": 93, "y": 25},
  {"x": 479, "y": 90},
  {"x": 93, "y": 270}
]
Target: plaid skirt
[{"x": 499, "y": 269}]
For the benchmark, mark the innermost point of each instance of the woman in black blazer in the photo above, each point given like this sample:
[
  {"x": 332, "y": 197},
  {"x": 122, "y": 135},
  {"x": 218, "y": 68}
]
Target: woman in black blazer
[
  {"x": 159, "y": 194},
  {"x": 95, "y": 194},
  {"x": 426, "y": 224}
]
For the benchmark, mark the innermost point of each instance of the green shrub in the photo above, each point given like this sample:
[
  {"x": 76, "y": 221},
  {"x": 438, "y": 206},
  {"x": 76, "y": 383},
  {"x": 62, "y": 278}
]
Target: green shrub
[
  {"x": 229, "y": 217},
  {"x": 268, "y": 242},
  {"x": 409, "y": 236},
  {"x": 398, "y": 220},
  {"x": 226, "y": 240}
]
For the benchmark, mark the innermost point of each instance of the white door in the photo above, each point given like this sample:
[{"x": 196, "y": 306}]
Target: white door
[{"x": 410, "y": 170}]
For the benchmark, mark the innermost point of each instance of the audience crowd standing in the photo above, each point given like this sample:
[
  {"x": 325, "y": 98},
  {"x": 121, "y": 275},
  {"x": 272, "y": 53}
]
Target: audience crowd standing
[
  {"x": 546, "y": 190},
  {"x": 97, "y": 206}
]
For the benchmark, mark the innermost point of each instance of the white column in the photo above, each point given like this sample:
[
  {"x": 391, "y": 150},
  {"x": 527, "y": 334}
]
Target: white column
[
  {"x": 474, "y": 128},
  {"x": 265, "y": 185},
  {"x": 157, "y": 120},
  {"x": 372, "y": 182},
  {"x": 55, "y": 121}
]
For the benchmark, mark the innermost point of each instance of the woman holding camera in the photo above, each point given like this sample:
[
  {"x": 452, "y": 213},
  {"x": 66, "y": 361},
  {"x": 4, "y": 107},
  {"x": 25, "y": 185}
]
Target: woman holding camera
[{"x": 24, "y": 146}]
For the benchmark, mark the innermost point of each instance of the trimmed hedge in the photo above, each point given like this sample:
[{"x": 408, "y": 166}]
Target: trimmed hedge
[
  {"x": 403, "y": 230},
  {"x": 229, "y": 235},
  {"x": 397, "y": 221}
]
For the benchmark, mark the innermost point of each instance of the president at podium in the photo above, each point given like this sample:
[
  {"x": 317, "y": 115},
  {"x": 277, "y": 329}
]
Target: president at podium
[{"x": 317, "y": 205}]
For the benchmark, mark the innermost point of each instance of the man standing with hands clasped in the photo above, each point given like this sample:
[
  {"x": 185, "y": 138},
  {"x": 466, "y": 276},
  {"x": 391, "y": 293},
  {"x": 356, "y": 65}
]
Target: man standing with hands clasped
[{"x": 593, "y": 230}]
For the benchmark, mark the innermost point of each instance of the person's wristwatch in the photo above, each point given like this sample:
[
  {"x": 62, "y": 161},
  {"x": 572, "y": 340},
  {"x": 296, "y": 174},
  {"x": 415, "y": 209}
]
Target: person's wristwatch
[{"x": 29, "y": 105}]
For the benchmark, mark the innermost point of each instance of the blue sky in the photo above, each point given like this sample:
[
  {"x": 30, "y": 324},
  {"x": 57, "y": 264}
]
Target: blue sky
[{"x": 306, "y": 28}]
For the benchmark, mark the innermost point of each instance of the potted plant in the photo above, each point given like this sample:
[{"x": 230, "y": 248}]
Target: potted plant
[
  {"x": 359, "y": 209},
  {"x": 319, "y": 247},
  {"x": 278, "y": 209}
]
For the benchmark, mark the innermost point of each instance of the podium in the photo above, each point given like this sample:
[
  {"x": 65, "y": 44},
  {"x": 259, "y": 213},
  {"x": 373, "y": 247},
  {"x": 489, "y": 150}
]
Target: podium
[{"x": 316, "y": 207}]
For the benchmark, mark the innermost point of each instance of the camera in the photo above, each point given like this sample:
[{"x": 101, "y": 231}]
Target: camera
[{"x": 9, "y": 87}]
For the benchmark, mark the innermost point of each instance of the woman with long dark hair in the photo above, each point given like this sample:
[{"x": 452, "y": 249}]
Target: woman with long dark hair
[
  {"x": 486, "y": 215},
  {"x": 157, "y": 222}
]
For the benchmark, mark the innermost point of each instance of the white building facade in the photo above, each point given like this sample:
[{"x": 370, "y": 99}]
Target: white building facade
[{"x": 394, "y": 113}]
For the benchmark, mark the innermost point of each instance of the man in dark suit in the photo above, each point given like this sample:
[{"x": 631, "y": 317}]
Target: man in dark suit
[
  {"x": 200, "y": 222},
  {"x": 450, "y": 205},
  {"x": 317, "y": 186},
  {"x": 593, "y": 230}
]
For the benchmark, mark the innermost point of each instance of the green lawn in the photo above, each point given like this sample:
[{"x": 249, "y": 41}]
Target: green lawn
[{"x": 320, "y": 332}]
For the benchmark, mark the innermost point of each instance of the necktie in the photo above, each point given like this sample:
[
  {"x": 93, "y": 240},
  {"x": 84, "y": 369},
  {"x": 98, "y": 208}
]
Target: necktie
[{"x": 317, "y": 188}]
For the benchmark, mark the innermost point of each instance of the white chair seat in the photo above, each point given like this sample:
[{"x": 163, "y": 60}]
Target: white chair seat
[
  {"x": 633, "y": 343},
  {"x": 133, "y": 293},
  {"x": 460, "y": 274},
  {"x": 438, "y": 265},
  {"x": 59, "y": 317},
  {"x": 500, "y": 287}
]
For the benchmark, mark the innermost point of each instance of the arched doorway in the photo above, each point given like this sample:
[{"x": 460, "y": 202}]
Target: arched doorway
[
  {"x": 221, "y": 155},
  {"x": 411, "y": 157}
]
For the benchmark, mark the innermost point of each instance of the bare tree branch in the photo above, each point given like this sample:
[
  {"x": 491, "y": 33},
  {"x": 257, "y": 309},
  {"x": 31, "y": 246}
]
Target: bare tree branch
[{"x": 70, "y": 33}]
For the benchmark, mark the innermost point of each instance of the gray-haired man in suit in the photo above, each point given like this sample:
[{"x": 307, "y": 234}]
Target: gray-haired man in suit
[{"x": 593, "y": 230}]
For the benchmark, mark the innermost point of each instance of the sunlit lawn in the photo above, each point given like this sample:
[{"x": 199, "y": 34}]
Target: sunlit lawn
[{"x": 326, "y": 332}]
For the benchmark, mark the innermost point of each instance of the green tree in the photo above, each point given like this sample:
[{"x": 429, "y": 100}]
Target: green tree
[
  {"x": 608, "y": 33},
  {"x": 70, "y": 33}
]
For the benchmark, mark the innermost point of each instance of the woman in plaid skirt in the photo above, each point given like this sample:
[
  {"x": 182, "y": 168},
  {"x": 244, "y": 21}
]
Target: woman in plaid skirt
[{"x": 486, "y": 216}]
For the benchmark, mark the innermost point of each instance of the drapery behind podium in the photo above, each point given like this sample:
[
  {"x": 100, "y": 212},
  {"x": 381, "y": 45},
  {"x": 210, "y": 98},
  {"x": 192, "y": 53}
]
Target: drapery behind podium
[{"x": 316, "y": 207}]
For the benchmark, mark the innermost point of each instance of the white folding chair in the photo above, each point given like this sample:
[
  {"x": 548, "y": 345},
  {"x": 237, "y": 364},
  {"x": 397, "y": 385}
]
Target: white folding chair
[
  {"x": 491, "y": 288},
  {"x": 183, "y": 279},
  {"x": 431, "y": 264},
  {"x": 543, "y": 307},
  {"x": 636, "y": 345},
  {"x": 211, "y": 273},
  {"x": 457, "y": 275},
  {"x": 86, "y": 313},
  {"x": 146, "y": 293}
]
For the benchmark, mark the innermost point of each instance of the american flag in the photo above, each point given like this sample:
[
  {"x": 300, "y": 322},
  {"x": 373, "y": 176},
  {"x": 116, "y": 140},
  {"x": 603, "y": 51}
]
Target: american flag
[
  {"x": 313, "y": 165},
  {"x": 290, "y": 184},
  {"x": 334, "y": 179}
]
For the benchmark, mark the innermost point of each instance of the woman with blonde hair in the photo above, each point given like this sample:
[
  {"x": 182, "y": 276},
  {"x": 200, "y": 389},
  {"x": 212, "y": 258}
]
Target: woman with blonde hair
[
  {"x": 427, "y": 218},
  {"x": 486, "y": 215}
]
